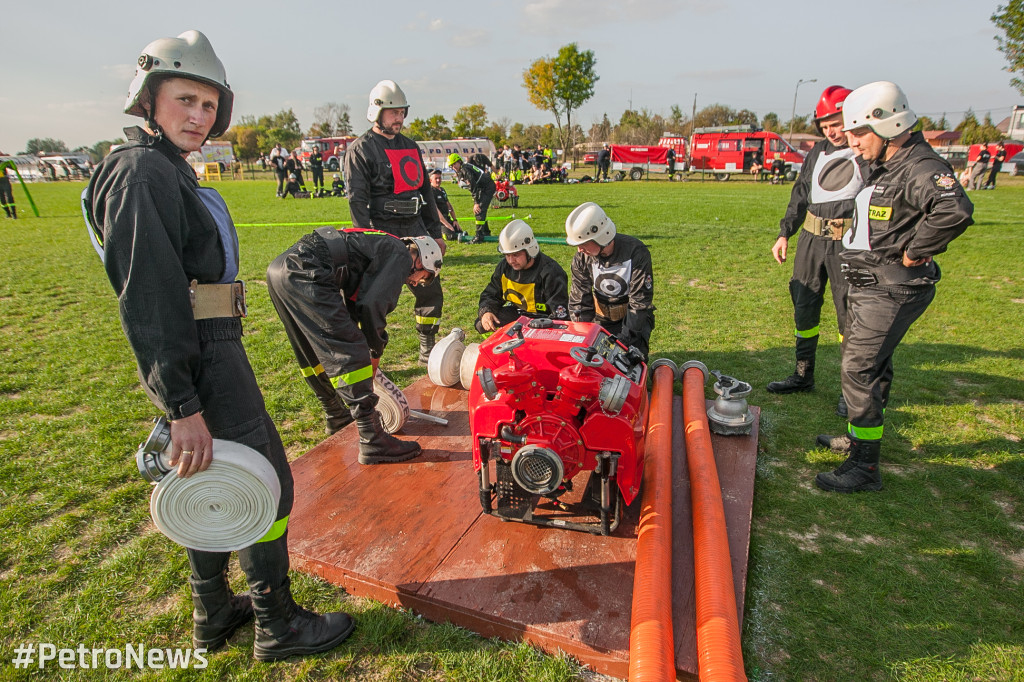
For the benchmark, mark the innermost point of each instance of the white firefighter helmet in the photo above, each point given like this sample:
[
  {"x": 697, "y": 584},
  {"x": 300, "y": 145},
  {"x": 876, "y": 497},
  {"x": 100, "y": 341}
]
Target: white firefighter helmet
[
  {"x": 518, "y": 236},
  {"x": 385, "y": 95},
  {"x": 191, "y": 56},
  {"x": 429, "y": 251},
  {"x": 589, "y": 222},
  {"x": 881, "y": 106}
]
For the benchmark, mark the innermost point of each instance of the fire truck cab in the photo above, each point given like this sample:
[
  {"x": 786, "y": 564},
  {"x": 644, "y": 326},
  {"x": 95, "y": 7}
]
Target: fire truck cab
[
  {"x": 726, "y": 150},
  {"x": 331, "y": 148}
]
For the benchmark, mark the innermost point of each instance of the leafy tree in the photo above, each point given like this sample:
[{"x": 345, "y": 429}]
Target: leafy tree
[
  {"x": 942, "y": 124},
  {"x": 771, "y": 122},
  {"x": 638, "y": 127},
  {"x": 972, "y": 132},
  {"x": 744, "y": 117},
  {"x": 331, "y": 120},
  {"x": 470, "y": 121},
  {"x": 46, "y": 145},
  {"x": 245, "y": 138},
  {"x": 925, "y": 123},
  {"x": 602, "y": 131},
  {"x": 714, "y": 115},
  {"x": 800, "y": 125},
  {"x": 562, "y": 85},
  {"x": 677, "y": 120},
  {"x": 1010, "y": 19},
  {"x": 434, "y": 128}
]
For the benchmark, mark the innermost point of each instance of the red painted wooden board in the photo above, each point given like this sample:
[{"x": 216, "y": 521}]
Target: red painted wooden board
[{"x": 414, "y": 534}]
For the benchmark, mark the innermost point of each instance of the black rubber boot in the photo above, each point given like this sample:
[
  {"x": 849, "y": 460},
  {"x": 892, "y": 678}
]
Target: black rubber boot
[
  {"x": 841, "y": 408},
  {"x": 426, "y": 345},
  {"x": 802, "y": 379},
  {"x": 858, "y": 473},
  {"x": 218, "y": 612},
  {"x": 377, "y": 446},
  {"x": 283, "y": 628},
  {"x": 834, "y": 443},
  {"x": 338, "y": 416},
  {"x": 14, "y": 212}
]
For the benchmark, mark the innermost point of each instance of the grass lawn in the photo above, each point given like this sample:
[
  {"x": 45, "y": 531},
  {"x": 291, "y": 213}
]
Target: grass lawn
[{"x": 923, "y": 581}]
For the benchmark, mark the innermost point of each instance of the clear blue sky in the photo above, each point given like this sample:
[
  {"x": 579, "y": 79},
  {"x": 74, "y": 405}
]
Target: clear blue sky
[{"x": 67, "y": 65}]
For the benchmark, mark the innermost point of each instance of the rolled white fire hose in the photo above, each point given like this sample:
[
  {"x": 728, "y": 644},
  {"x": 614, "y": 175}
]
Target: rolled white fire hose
[
  {"x": 228, "y": 507},
  {"x": 391, "y": 403}
]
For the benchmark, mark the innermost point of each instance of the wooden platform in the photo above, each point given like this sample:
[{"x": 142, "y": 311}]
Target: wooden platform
[{"x": 413, "y": 534}]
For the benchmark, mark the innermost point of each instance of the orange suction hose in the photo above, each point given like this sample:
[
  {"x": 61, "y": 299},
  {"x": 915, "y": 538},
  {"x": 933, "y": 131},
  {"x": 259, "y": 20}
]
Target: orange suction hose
[
  {"x": 719, "y": 655},
  {"x": 651, "y": 644}
]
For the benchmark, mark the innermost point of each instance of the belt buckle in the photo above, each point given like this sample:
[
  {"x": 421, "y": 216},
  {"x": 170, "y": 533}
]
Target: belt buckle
[
  {"x": 857, "y": 277},
  {"x": 238, "y": 291}
]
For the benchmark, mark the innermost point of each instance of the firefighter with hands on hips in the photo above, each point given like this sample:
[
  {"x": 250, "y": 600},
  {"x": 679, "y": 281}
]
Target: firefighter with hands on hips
[
  {"x": 525, "y": 282},
  {"x": 170, "y": 251},
  {"x": 333, "y": 291},
  {"x": 385, "y": 176},
  {"x": 482, "y": 187},
  {"x": 909, "y": 211},
  {"x": 821, "y": 203},
  {"x": 450, "y": 228},
  {"x": 612, "y": 277}
]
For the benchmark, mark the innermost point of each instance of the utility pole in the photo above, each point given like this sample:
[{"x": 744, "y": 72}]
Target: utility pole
[{"x": 793, "y": 115}]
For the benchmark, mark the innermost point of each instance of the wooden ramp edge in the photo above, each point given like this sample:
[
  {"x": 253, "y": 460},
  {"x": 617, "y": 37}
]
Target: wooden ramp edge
[{"x": 413, "y": 534}]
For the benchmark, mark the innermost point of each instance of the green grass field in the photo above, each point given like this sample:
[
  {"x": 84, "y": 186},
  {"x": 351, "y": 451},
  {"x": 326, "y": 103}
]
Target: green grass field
[{"x": 923, "y": 581}]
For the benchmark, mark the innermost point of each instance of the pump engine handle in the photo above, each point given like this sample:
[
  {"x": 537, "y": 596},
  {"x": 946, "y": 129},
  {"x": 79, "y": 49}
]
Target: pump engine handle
[
  {"x": 515, "y": 330},
  {"x": 588, "y": 357}
]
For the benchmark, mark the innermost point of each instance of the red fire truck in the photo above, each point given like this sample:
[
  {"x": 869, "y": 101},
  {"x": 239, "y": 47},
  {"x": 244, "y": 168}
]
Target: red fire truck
[
  {"x": 331, "y": 148},
  {"x": 727, "y": 150}
]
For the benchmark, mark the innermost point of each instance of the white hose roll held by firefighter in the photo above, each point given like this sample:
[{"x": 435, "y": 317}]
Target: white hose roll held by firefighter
[{"x": 228, "y": 507}]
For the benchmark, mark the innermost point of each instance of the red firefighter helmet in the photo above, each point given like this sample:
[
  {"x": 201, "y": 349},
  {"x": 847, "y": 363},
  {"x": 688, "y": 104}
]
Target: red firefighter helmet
[{"x": 831, "y": 102}]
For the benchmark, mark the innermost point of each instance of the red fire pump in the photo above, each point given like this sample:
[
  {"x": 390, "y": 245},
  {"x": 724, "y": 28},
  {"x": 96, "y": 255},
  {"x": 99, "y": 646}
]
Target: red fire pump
[{"x": 550, "y": 400}]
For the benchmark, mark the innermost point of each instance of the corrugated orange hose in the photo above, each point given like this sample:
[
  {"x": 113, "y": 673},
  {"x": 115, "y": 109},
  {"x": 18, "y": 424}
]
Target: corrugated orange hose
[
  {"x": 719, "y": 655},
  {"x": 651, "y": 644}
]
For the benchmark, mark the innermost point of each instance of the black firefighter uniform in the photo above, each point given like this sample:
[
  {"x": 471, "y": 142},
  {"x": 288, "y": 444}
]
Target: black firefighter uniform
[
  {"x": 822, "y": 205},
  {"x": 538, "y": 291},
  {"x": 384, "y": 179},
  {"x": 911, "y": 204},
  {"x": 616, "y": 291}
]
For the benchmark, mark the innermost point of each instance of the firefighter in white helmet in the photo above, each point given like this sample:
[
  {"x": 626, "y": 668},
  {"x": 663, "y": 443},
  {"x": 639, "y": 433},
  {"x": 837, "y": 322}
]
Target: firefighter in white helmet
[
  {"x": 821, "y": 210},
  {"x": 171, "y": 253},
  {"x": 525, "y": 282},
  {"x": 612, "y": 277},
  {"x": 333, "y": 291},
  {"x": 909, "y": 211},
  {"x": 387, "y": 189}
]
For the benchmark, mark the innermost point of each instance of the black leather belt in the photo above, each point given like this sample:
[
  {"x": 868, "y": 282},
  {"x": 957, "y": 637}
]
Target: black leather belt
[
  {"x": 886, "y": 274},
  {"x": 335, "y": 244},
  {"x": 400, "y": 206}
]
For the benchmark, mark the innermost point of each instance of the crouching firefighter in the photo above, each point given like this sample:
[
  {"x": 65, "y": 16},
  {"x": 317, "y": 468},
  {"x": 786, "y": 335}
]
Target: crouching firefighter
[
  {"x": 171, "y": 253},
  {"x": 386, "y": 175},
  {"x": 333, "y": 290},
  {"x": 525, "y": 282},
  {"x": 909, "y": 211},
  {"x": 612, "y": 277}
]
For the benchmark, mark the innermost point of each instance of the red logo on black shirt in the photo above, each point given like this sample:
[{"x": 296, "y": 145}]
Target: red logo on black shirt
[{"x": 406, "y": 169}]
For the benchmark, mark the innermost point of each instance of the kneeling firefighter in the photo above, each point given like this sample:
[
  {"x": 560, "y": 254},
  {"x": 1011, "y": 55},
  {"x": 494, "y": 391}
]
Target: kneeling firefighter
[
  {"x": 333, "y": 291},
  {"x": 387, "y": 190},
  {"x": 170, "y": 250},
  {"x": 612, "y": 277}
]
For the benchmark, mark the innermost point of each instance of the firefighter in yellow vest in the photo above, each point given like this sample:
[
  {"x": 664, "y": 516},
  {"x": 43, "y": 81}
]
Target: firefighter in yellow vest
[{"x": 525, "y": 282}]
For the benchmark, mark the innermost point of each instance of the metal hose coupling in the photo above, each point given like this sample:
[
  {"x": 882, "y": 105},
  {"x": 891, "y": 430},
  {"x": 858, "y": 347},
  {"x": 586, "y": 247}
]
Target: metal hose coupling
[
  {"x": 729, "y": 415},
  {"x": 230, "y": 506}
]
